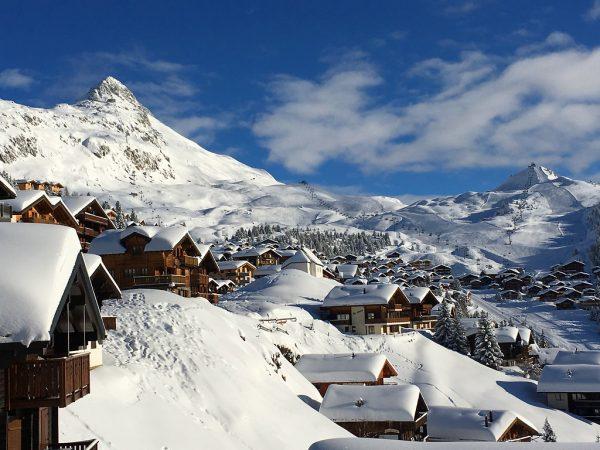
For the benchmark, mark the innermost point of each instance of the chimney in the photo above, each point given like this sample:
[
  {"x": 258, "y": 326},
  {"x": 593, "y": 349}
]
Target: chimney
[
  {"x": 487, "y": 424},
  {"x": 491, "y": 416}
]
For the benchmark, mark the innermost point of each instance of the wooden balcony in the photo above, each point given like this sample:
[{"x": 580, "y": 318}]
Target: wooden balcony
[
  {"x": 159, "y": 280},
  {"x": 48, "y": 382},
  {"x": 85, "y": 231},
  {"x": 88, "y": 217},
  {"x": 79, "y": 445},
  {"x": 390, "y": 318},
  {"x": 191, "y": 261}
]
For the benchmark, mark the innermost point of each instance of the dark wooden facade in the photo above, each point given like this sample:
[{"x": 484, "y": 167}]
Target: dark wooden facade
[
  {"x": 268, "y": 258},
  {"x": 404, "y": 431},
  {"x": 92, "y": 222},
  {"x": 387, "y": 371},
  {"x": 179, "y": 270}
]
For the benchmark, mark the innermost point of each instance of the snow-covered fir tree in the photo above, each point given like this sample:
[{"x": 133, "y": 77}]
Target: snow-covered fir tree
[
  {"x": 444, "y": 327},
  {"x": 133, "y": 216},
  {"x": 487, "y": 351},
  {"x": 459, "y": 337},
  {"x": 548, "y": 434},
  {"x": 120, "y": 221}
]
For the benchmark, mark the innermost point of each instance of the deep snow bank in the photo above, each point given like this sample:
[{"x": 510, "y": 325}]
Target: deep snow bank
[{"x": 181, "y": 374}]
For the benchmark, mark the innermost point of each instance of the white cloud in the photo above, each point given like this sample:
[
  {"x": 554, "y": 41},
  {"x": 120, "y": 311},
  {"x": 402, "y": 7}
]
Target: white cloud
[
  {"x": 15, "y": 79},
  {"x": 484, "y": 113},
  {"x": 555, "y": 40},
  {"x": 594, "y": 12}
]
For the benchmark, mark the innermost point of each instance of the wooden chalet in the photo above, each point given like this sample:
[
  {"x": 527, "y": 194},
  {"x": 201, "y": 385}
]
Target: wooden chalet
[
  {"x": 220, "y": 287},
  {"x": 46, "y": 324},
  {"x": 514, "y": 343},
  {"x": 241, "y": 272},
  {"x": 7, "y": 192},
  {"x": 369, "y": 309},
  {"x": 36, "y": 207},
  {"x": 156, "y": 257},
  {"x": 323, "y": 370},
  {"x": 573, "y": 385},
  {"x": 38, "y": 185},
  {"x": 422, "y": 301},
  {"x": 454, "y": 424},
  {"x": 258, "y": 256},
  {"x": 388, "y": 412},
  {"x": 572, "y": 267},
  {"x": 92, "y": 218}
]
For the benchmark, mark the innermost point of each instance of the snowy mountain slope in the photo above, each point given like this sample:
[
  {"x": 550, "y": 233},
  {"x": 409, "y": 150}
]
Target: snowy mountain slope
[
  {"x": 191, "y": 375},
  {"x": 111, "y": 146},
  {"x": 181, "y": 374},
  {"x": 445, "y": 377}
]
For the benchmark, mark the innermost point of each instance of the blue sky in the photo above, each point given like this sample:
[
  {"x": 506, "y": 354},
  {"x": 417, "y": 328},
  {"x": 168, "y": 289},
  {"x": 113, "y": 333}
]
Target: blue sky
[{"x": 391, "y": 98}]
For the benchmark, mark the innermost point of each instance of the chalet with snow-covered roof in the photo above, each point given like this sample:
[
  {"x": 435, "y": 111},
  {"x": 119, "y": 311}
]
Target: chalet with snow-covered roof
[
  {"x": 156, "y": 257},
  {"x": 323, "y": 370},
  {"x": 306, "y": 261},
  {"x": 105, "y": 287},
  {"x": 369, "y": 309},
  {"x": 92, "y": 218},
  {"x": 7, "y": 192},
  {"x": 510, "y": 294},
  {"x": 47, "y": 324},
  {"x": 36, "y": 207},
  {"x": 442, "y": 269},
  {"x": 572, "y": 387},
  {"x": 513, "y": 342},
  {"x": 572, "y": 267},
  {"x": 454, "y": 424},
  {"x": 346, "y": 272},
  {"x": 258, "y": 256},
  {"x": 390, "y": 411},
  {"x": 422, "y": 264},
  {"x": 513, "y": 283},
  {"x": 39, "y": 185},
  {"x": 422, "y": 301},
  {"x": 240, "y": 272},
  {"x": 220, "y": 287},
  {"x": 549, "y": 295}
]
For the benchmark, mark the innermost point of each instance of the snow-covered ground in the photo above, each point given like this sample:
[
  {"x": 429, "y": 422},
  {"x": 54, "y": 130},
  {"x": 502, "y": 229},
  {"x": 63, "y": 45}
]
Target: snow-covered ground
[
  {"x": 568, "y": 329},
  {"x": 191, "y": 375}
]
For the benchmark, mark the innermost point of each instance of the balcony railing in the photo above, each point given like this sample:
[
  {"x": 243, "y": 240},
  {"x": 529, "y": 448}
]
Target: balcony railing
[
  {"x": 48, "y": 382},
  {"x": 89, "y": 217},
  {"x": 192, "y": 261},
  {"x": 424, "y": 318},
  {"x": 154, "y": 280},
  {"x": 79, "y": 445},
  {"x": 87, "y": 231}
]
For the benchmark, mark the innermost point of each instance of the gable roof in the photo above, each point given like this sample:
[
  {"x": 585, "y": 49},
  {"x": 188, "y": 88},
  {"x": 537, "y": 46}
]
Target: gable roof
[
  {"x": 28, "y": 306},
  {"x": 343, "y": 367},
  {"x": 6, "y": 189},
  {"x": 159, "y": 239},
  {"x": 352, "y": 403},
  {"x": 231, "y": 265},
  {"x": 93, "y": 264},
  {"x": 253, "y": 252},
  {"x": 416, "y": 295},
  {"x": 570, "y": 378},
  {"x": 351, "y": 295},
  {"x": 24, "y": 199},
  {"x": 578, "y": 357},
  {"x": 303, "y": 255},
  {"x": 450, "y": 423}
]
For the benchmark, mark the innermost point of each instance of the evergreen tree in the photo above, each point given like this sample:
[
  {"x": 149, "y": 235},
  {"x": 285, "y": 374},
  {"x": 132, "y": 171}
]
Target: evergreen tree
[
  {"x": 133, "y": 216},
  {"x": 120, "y": 222},
  {"x": 459, "y": 338},
  {"x": 444, "y": 327},
  {"x": 487, "y": 350},
  {"x": 105, "y": 205},
  {"x": 548, "y": 433}
]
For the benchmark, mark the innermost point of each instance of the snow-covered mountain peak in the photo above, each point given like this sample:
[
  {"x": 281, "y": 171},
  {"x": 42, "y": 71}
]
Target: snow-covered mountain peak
[
  {"x": 111, "y": 90},
  {"x": 528, "y": 177}
]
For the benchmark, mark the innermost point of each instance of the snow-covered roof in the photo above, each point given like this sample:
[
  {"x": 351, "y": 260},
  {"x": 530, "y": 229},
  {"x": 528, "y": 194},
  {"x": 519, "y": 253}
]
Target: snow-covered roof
[
  {"x": 341, "y": 367},
  {"x": 7, "y": 187},
  {"x": 161, "y": 239},
  {"x": 370, "y": 294},
  {"x": 41, "y": 260},
  {"x": 352, "y": 403},
  {"x": 94, "y": 263},
  {"x": 302, "y": 256},
  {"x": 347, "y": 270},
  {"x": 570, "y": 378},
  {"x": 252, "y": 252},
  {"x": 232, "y": 265},
  {"x": 578, "y": 357},
  {"x": 506, "y": 335},
  {"x": 449, "y": 423},
  {"x": 417, "y": 295},
  {"x": 24, "y": 199},
  {"x": 77, "y": 202},
  {"x": 525, "y": 334}
]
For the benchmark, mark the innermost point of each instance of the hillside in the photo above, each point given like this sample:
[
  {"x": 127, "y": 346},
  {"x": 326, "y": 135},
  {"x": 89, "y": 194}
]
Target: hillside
[{"x": 192, "y": 375}]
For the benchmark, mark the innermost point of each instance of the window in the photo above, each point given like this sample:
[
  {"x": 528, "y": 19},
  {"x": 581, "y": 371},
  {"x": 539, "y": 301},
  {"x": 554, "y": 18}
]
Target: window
[
  {"x": 343, "y": 317},
  {"x": 370, "y": 316}
]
